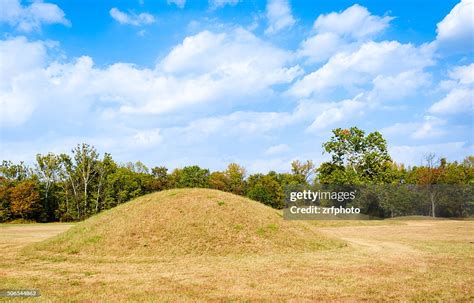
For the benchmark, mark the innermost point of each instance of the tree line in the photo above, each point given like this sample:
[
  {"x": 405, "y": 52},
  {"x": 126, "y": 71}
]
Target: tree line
[{"x": 73, "y": 187}]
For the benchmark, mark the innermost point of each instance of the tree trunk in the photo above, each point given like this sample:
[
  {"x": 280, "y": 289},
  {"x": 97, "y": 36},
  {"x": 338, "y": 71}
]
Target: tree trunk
[
  {"x": 433, "y": 205},
  {"x": 75, "y": 197},
  {"x": 85, "y": 198},
  {"x": 98, "y": 195}
]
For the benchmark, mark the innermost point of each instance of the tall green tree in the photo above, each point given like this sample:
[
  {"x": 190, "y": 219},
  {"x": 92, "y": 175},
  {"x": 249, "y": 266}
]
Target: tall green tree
[
  {"x": 15, "y": 172},
  {"x": 356, "y": 158},
  {"x": 266, "y": 189},
  {"x": 125, "y": 184},
  {"x": 219, "y": 180},
  {"x": 79, "y": 173},
  {"x": 161, "y": 178},
  {"x": 5, "y": 200},
  {"x": 47, "y": 169},
  {"x": 85, "y": 157},
  {"x": 104, "y": 168},
  {"x": 192, "y": 176},
  {"x": 236, "y": 175}
]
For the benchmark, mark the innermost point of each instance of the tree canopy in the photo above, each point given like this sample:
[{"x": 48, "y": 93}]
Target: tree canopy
[{"x": 71, "y": 187}]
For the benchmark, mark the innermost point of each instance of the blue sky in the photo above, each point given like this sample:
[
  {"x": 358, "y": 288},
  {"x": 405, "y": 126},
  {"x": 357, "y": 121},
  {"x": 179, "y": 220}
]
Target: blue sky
[{"x": 260, "y": 83}]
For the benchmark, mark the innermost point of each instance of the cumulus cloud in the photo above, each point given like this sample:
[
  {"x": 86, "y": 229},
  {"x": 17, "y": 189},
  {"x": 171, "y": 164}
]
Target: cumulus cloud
[
  {"x": 178, "y": 3},
  {"x": 397, "y": 87},
  {"x": 456, "y": 31},
  {"x": 207, "y": 67},
  {"x": 224, "y": 71},
  {"x": 279, "y": 16},
  {"x": 355, "y": 22},
  {"x": 31, "y": 17},
  {"x": 131, "y": 18},
  {"x": 463, "y": 74},
  {"x": 320, "y": 47},
  {"x": 342, "y": 31},
  {"x": 334, "y": 112},
  {"x": 19, "y": 57},
  {"x": 351, "y": 70},
  {"x": 20, "y": 60},
  {"x": 460, "y": 98},
  {"x": 238, "y": 51}
]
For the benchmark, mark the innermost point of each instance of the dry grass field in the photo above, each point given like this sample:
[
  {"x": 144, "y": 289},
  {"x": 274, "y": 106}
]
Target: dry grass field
[{"x": 409, "y": 260}]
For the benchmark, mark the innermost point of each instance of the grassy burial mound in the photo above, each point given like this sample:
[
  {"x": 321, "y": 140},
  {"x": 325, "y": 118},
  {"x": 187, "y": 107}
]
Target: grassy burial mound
[{"x": 188, "y": 222}]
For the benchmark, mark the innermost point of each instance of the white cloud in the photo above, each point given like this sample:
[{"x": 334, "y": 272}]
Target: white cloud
[
  {"x": 463, "y": 74},
  {"x": 430, "y": 127},
  {"x": 131, "y": 18},
  {"x": 351, "y": 70},
  {"x": 335, "y": 112},
  {"x": 32, "y": 17},
  {"x": 20, "y": 56},
  {"x": 456, "y": 31},
  {"x": 279, "y": 16},
  {"x": 221, "y": 75},
  {"x": 207, "y": 67},
  {"x": 21, "y": 60},
  {"x": 344, "y": 31},
  {"x": 214, "y": 67},
  {"x": 214, "y": 4},
  {"x": 376, "y": 72},
  {"x": 397, "y": 87},
  {"x": 277, "y": 149},
  {"x": 235, "y": 52},
  {"x": 236, "y": 124},
  {"x": 244, "y": 124},
  {"x": 355, "y": 22},
  {"x": 321, "y": 115},
  {"x": 320, "y": 47},
  {"x": 178, "y": 3},
  {"x": 458, "y": 100}
]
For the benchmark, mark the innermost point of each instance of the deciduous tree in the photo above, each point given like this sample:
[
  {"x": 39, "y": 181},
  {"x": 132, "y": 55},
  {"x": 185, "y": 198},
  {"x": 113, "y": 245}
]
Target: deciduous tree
[
  {"x": 25, "y": 199},
  {"x": 356, "y": 158}
]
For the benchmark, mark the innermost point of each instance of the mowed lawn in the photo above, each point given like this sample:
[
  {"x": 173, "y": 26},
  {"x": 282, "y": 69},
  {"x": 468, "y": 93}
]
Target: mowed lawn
[{"x": 408, "y": 261}]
